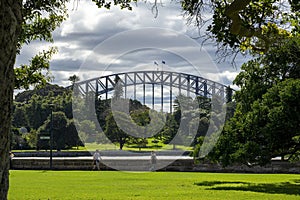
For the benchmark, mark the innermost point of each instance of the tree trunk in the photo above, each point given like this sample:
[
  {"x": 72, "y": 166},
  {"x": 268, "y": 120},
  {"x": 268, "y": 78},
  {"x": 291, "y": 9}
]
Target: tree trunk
[
  {"x": 121, "y": 143},
  {"x": 10, "y": 24}
]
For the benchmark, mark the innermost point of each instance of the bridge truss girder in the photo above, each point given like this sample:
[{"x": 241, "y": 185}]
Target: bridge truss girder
[{"x": 199, "y": 86}]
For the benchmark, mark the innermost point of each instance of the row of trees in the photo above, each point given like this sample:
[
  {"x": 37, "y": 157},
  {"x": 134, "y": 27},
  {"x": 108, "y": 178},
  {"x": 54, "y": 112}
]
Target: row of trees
[
  {"x": 126, "y": 121},
  {"x": 170, "y": 128},
  {"x": 33, "y": 111},
  {"x": 32, "y": 119}
]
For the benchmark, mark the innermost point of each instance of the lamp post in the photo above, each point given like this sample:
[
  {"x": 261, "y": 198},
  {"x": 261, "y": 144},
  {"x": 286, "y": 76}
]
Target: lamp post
[{"x": 51, "y": 134}]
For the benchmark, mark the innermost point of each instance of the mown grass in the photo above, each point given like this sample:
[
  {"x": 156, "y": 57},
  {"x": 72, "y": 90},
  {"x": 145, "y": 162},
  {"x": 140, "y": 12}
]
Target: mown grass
[
  {"x": 95, "y": 185},
  {"x": 134, "y": 147},
  {"x": 149, "y": 147}
]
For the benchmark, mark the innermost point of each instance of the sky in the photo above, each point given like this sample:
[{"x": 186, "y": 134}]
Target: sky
[{"x": 93, "y": 42}]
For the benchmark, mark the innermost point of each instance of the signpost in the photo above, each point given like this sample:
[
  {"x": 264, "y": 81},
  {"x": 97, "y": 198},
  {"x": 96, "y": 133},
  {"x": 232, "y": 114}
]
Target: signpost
[{"x": 51, "y": 135}]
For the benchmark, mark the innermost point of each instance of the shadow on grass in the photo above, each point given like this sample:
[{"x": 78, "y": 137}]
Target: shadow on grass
[
  {"x": 213, "y": 183},
  {"x": 296, "y": 180},
  {"x": 289, "y": 188}
]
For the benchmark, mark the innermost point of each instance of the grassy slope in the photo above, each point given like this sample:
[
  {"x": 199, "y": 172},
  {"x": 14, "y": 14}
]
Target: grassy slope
[
  {"x": 150, "y": 147},
  {"x": 93, "y": 146},
  {"x": 159, "y": 185}
]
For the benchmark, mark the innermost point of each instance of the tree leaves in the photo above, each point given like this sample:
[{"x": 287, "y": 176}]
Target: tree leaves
[
  {"x": 36, "y": 73},
  {"x": 266, "y": 121},
  {"x": 40, "y": 19},
  {"x": 246, "y": 26}
]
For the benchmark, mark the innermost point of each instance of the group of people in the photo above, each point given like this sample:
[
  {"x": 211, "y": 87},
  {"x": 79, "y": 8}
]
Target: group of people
[{"x": 97, "y": 158}]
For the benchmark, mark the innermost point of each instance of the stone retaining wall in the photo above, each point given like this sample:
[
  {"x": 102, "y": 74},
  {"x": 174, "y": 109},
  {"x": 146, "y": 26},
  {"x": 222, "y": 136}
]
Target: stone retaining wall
[
  {"x": 144, "y": 165},
  {"x": 118, "y": 153}
]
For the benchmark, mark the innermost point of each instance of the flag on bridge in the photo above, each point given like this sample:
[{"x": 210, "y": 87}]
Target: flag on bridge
[
  {"x": 163, "y": 62},
  {"x": 155, "y": 63}
]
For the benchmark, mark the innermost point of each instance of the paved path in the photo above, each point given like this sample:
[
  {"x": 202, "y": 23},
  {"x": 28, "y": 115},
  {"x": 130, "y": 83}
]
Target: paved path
[{"x": 107, "y": 158}]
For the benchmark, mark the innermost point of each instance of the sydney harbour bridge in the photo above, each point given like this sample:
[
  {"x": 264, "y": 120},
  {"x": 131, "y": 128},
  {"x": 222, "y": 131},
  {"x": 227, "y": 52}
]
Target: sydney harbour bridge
[{"x": 148, "y": 85}]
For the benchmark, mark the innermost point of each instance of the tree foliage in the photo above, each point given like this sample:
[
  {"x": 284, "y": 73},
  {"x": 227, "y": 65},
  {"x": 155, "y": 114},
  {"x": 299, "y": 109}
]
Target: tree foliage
[
  {"x": 275, "y": 118},
  {"x": 73, "y": 79},
  {"x": 32, "y": 110},
  {"x": 246, "y": 25},
  {"x": 266, "y": 121},
  {"x": 36, "y": 73},
  {"x": 259, "y": 74},
  {"x": 39, "y": 19},
  {"x": 114, "y": 133}
]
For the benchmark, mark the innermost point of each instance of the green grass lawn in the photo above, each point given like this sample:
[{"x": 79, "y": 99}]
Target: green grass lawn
[
  {"x": 96, "y": 185},
  {"x": 150, "y": 147},
  {"x": 102, "y": 147}
]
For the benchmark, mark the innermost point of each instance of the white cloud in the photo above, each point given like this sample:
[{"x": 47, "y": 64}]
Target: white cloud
[{"x": 229, "y": 75}]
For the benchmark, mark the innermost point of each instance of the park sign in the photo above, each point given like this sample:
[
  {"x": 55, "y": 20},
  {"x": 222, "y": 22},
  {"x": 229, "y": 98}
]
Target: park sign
[{"x": 44, "y": 137}]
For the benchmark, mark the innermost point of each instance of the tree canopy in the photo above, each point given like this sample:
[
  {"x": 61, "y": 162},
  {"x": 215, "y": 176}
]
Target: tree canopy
[
  {"x": 39, "y": 20},
  {"x": 246, "y": 25},
  {"x": 266, "y": 120}
]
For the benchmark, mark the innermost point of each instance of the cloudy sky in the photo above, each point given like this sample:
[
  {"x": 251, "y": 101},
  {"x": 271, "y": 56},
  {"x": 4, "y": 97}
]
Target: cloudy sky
[{"x": 93, "y": 42}]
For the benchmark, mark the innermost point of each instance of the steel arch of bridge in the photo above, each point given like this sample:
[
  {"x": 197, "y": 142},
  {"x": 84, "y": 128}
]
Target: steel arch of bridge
[{"x": 190, "y": 83}]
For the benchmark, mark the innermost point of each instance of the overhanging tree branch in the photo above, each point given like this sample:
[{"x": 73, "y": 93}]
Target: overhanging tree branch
[{"x": 237, "y": 27}]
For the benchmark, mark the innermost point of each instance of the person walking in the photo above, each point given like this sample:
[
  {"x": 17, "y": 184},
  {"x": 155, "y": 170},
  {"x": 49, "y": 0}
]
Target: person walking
[
  {"x": 153, "y": 161},
  {"x": 11, "y": 155},
  {"x": 96, "y": 160}
]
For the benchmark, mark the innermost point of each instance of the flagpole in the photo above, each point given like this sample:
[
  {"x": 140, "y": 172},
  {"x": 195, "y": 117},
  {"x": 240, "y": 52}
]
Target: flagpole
[
  {"x": 156, "y": 64},
  {"x": 162, "y": 65}
]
